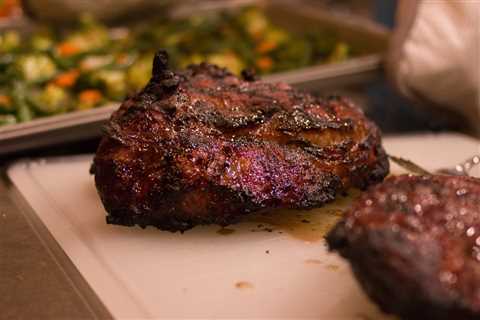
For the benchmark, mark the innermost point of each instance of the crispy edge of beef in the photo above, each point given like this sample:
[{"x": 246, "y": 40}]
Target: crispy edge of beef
[
  {"x": 164, "y": 83},
  {"x": 397, "y": 273}
]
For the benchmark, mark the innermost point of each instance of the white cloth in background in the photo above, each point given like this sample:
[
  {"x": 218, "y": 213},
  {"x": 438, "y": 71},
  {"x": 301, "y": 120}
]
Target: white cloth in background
[{"x": 435, "y": 54}]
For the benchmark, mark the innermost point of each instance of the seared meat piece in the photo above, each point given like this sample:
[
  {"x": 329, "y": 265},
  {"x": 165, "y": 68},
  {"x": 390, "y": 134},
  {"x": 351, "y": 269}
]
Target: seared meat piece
[
  {"x": 414, "y": 245},
  {"x": 203, "y": 146}
]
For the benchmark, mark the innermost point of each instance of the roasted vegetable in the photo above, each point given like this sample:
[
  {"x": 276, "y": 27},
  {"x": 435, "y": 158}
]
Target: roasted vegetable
[
  {"x": 92, "y": 64},
  {"x": 112, "y": 81},
  {"x": 23, "y": 111},
  {"x": 51, "y": 100},
  {"x": 35, "y": 67},
  {"x": 9, "y": 41},
  {"x": 90, "y": 37},
  {"x": 89, "y": 99},
  {"x": 6, "y": 104},
  {"x": 41, "y": 42},
  {"x": 139, "y": 73},
  {"x": 7, "y": 119}
]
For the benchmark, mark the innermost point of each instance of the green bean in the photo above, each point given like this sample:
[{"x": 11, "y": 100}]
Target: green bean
[
  {"x": 7, "y": 119},
  {"x": 339, "y": 53},
  {"x": 24, "y": 113}
]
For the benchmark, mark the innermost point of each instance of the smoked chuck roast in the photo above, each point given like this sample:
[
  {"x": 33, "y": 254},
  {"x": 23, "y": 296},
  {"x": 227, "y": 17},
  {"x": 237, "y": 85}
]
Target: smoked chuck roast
[
  {"x": 202, "y": 146},
  {"x": 414, "y": 245}
]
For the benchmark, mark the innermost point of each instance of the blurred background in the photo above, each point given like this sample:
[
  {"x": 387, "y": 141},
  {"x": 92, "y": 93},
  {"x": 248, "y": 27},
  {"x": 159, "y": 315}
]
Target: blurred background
[{"x": 63, "y": 60}]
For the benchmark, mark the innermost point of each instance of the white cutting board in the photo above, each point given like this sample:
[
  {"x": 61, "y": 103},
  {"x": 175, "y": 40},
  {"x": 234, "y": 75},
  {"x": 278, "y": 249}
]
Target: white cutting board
[{"x": 201, "y": 273}]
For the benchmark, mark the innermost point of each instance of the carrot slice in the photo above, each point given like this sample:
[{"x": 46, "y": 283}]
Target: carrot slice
[
  {"x": 67, "y": 79},
  {"x": 66, "y": 49},
  {"x": 265, "y": 46},
  {"x": 90, "y": 96},
  {"x": 264, "y": 63},
  {"x": 5, "y": 100}
]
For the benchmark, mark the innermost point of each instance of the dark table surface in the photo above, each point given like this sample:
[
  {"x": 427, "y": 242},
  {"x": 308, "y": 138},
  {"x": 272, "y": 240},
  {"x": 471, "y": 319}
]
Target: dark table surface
[{"x": 33, "y": 284}]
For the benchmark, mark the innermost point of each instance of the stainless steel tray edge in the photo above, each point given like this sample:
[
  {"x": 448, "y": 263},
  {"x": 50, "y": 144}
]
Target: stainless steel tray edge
[
  {"x": 310, "y": 75},
  {"x": 60, "y": 121},
  {"x": 54, "y": 130}
]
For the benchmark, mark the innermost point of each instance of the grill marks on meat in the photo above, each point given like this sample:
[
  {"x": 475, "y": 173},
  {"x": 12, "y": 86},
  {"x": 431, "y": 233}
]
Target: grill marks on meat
[
  {"x": 203, "y": 146},
  {"x": 414, "y": 245}
]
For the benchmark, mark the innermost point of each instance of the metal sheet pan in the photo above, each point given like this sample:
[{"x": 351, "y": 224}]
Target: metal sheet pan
[{"x": 367, "y": 39}]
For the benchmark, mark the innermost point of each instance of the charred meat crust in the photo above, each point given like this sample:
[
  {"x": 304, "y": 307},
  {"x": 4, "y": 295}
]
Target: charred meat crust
[
  {"x": 413, "y": 244},
  {"x": 202, "y": 146}
]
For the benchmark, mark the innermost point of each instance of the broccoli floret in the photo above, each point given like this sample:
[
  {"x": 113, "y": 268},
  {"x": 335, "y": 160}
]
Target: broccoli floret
[
  {"x": 114, "y": 82},
  {"x": 51, "y": 100},
  {"x": 339, "y": 53},
  {"x": 35, "y": 67},
  {"x": 227, "y": 60},
  {"x": 139, "y": 73},
  {"x": 9, "y": 41},
  {"x": 255, "y": 21},
  {"x": 95, "y": 62},
  {"x": 41, "y": 42}
]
